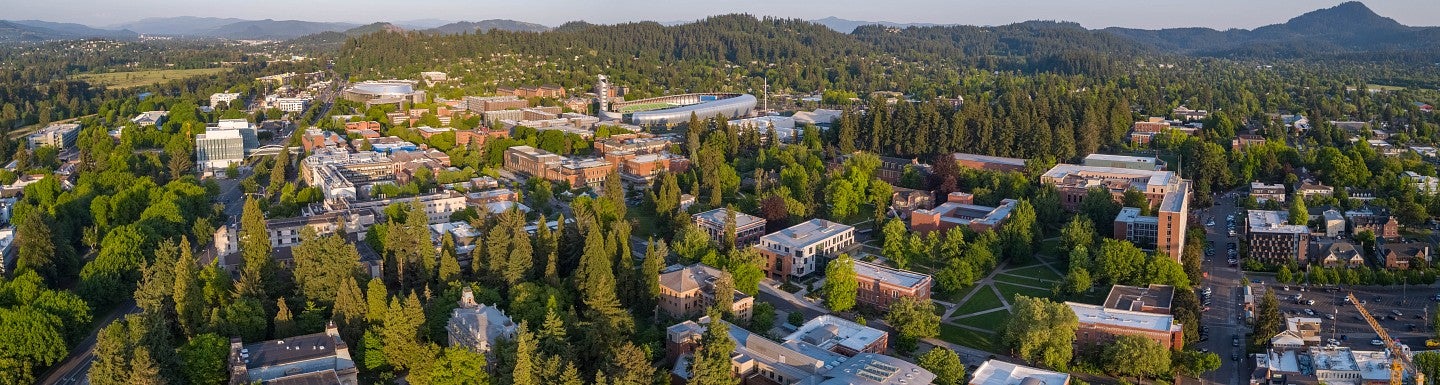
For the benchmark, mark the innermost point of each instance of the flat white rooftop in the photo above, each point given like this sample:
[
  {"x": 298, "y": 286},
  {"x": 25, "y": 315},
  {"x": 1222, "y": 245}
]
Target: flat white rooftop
[
  {"x": 806, "y": 233},
  {"x": 996, "y": 372},
  {"x": 1096, "y": 314},
  {"x": 898, "y": 277},
  {"x": 1265, "y": 221}
]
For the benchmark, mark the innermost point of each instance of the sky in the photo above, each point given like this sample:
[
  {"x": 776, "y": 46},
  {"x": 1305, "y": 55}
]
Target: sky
[{"x": 1150, "y": 14}]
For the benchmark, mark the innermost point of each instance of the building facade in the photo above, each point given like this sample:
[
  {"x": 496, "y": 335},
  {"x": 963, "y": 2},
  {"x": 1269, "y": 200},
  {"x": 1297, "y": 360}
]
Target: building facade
[
  {"x": 1164, "y": 190},
  {"x": 882, "y": 285},
  {"x": 991, "y": 163},
  {"x": 748, "y": 228},
  {"x": 476, "y": 326},
  {"x": 58, "y": 135},
  {"x": 687, "y": 291},
  {"x": 960, "y": 211},
  {"x": 1100, "y": 325},
  {"x": 320, "y": 358},
  {"x": 1273, "y": 240},
  {"x": 797, "y": 251}
]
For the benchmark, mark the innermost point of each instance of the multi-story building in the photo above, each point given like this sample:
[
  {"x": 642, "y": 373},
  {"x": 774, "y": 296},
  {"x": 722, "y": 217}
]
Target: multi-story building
[
  {"x": 1267, "y": 192},
  {"x": 482, "y": 104},
  {"x": 882, "y": 285},
  {"x": 757, "y": 360},
  {"x": 320, "y": 358},
  {"x": 992, "y": 163},
  {"x": 1402, "y": 255},
  {"x": 150, "y": 118},
  {"x": 644, "y": 168},
  {"x": 316, "y": 138},
  {"x": 890, "y": 169},
  {"x": 1333, "y": 222},
  {"x": 219, "y": 149},
  {"x": 438, "y": 207},
  {"x": 796, "y": 251},
  {"x": 290, "y": 104},
  {"x": 1383, "y": 226},
  {"x": 476, "y": 326},
  {"x": 1320, "y": 365},
  {"x": 748, "y": 228},
  {"x": 839, "y": 335},
  {"x": 1142, "y": 163},
  {"x": 543, "y": 164},
  {"x": 1308, "y": 190},
  {"x": 243, "y": 126},
  {"x": 58, "y": 135},
  {"x": 1243, "y": 141},
  {"x": 997, "y": 372},
  {"x": 8, "y": 251},
  {"x": 1154, "y": 298},
  {"x": 687, "y": 291},
  {"x": 1273, "y": 240},
  {"x": 1185, "y": 113},
  {"x": 341, "y": 174},
  {"x": 223, "y": 97},
  {"x": 1141, "y": 230},
  {"x": 1100, "y": 325},
  {"x": 1164, "y": 190},
  {"x": 960, "y": 210}
]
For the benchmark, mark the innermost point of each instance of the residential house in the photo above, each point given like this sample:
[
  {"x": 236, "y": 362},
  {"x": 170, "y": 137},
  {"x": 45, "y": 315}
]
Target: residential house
[
  {"x": 1402, "y": 255},
  {"x": 1383, "y": 226},
  {"x": 1267, "y": 192},
  {"x": 1243, "y": 141},
  {"x": 1337, "y": 254}
]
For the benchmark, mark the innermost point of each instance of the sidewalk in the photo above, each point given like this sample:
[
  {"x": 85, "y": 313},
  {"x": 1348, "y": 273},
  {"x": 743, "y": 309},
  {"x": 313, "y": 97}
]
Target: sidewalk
[{"x": 798, "y": 298}]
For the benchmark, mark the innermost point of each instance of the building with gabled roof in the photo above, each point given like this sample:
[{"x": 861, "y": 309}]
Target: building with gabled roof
[
  {"x": 320, "y": 358},
  {"x": 477, "y": 327},
  {"x": 748, "y": 228},
  {"x": 687, "y": 291}
]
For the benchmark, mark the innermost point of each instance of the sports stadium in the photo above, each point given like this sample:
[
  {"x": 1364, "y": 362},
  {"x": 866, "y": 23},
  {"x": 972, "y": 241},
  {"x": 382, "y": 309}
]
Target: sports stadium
[
  {"x": 382, "y": 91},
  {"x": 673, "y": 109}
]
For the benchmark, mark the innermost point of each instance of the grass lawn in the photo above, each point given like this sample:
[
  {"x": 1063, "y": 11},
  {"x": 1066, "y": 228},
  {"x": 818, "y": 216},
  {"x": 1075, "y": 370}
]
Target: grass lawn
[
  {"x": 1025, "y": 280},
  {"x": 1050, "y": 248},
  {"x": 1011, "y": 290},
  {"x": 644, "y": 219},
  {"x": 985, "y": 299},
  {"x": 1384, "y": 87},
  {"x": 958, "y": 335},
  {"x": 989, "y": 321},
  {"x": 147, "y": 77},
  {"x": 1038, "y": 271},
  {"x": 645, "y": 107}
]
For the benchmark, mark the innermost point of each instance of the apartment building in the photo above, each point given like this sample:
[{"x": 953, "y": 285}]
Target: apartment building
[
  {"x": 58, "y": 135},
  {"x": 882, "y": 285},
  {"x": 748, "y": 228},
  {"x": 1274, "y": 240},
  {"x": 796, "y": 251},
  {"x": 960, "y": 210},
  {"x": 1402, "y": 255},
  {"x": 688, "y": 291}
]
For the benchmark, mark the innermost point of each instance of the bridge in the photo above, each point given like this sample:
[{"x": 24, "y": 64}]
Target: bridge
[{"x": 274, "y": 149}]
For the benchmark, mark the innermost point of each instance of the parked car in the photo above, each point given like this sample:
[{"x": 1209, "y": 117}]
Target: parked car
[
  {"x": 1396, "y": 312},
  {"x": 1235, "y": 341},
  {"x": 1330, "y": 316},
  {"x": 1377, "y": 342}
]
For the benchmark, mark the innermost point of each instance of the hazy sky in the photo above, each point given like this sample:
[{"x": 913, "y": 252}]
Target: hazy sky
[{"x": 1218, "y": 14}]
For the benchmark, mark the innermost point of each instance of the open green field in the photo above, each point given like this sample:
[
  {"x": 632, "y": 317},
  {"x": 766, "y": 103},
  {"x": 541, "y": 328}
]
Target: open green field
[
  {"x": 967, "y": 337},
  {"x": 644, "y": 107},
  {"x": 145, "y": 78},
  {"x": 1037, "y": 271},
  {"x": 991, "y": 320},
  {"x": 984, "y": 299}
]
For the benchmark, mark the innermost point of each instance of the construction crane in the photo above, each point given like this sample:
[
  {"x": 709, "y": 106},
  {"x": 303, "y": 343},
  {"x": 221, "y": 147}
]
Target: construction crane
[{"x": 1399, "y": 361}]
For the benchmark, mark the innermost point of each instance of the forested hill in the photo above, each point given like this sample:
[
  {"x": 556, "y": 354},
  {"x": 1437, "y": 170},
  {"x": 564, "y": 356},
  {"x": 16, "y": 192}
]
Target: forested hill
[{"x": 1347, "y": 28}]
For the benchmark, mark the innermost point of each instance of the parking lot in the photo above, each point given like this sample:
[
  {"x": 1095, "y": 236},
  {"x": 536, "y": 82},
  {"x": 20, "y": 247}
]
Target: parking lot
[{"x": 1404, "y": 312}]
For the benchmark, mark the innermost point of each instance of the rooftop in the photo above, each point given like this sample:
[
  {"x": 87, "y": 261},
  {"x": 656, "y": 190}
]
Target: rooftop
[
  {"x": 718, "y": 216},
  {"x": 903, "y": 278},
  {"x": 989, "y": 159},
  {"x": 996, "y": 372},
  {"x": 1134, "y": 298},
  {"x": 1132, "y": 215},
  {"x": 1096, "y": 314},
  {"x": 290, "y": 350},
  {"x": 1265, "y": 221},
  {"x": 1108, "y": 158},
  {"x": 806, "y": 233},
  {"x": 1092, "y": 176},
  {"x": 828, "y": 331}
]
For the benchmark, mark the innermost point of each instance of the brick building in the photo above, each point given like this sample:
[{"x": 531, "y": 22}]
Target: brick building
[
  {"x": 1383, "y": 226},
  {"x": 960, "y": 210},
  {"x": 1100, "y": 325},
  {"x": 881, "y": 285},
  {"x": 748, "y": 228},
  {"x": 1164, "y": 190},
  {"x": 687, "y": 291}
]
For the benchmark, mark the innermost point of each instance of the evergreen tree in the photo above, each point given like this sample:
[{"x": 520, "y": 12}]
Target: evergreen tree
[
  {"x": 711, "y": 364},
  {"x": 188, "y": 295},
  {"x": 402, "y": 332},
  {"x": 521, "y": 257},
  {"x": 258, "y": 271},
  {"x": 143, "y": 369},
  {"x": 278, "y": 175},
  {"x": 157, "y": 281},
  {"x": 377, "y": 302},
  {"x": 595, "y": 279},
  {"x": 525, "y": 349},
  {"x": 629, "y": 365},
  {"x": 729, "y": 231},
  {"x": 284, "y": 321},
  {"x": 350, "y": 308},
  {"x": 449, "y": 271},
  {"x": 36, "y": 246}
]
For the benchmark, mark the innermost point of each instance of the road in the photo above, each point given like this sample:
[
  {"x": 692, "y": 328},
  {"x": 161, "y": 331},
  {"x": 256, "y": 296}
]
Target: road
[
  {"x": 75, "y": 369},
  {"x": 1227, "y": 305}
]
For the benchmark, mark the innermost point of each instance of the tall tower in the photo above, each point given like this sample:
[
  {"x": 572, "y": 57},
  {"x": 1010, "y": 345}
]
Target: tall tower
[{"x": 602, "y": 92}]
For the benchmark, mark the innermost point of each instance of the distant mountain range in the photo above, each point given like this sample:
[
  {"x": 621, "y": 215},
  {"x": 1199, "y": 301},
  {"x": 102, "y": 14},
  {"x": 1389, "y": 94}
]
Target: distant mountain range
[
  {"x": 486, "y": 25},
  {"x": 1348, "y": 28},
  {"x": 848, "y": 26}
]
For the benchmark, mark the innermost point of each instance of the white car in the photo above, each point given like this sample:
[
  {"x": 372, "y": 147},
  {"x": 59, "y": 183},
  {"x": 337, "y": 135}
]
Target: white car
[{"x": 1377, "y": 342}]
